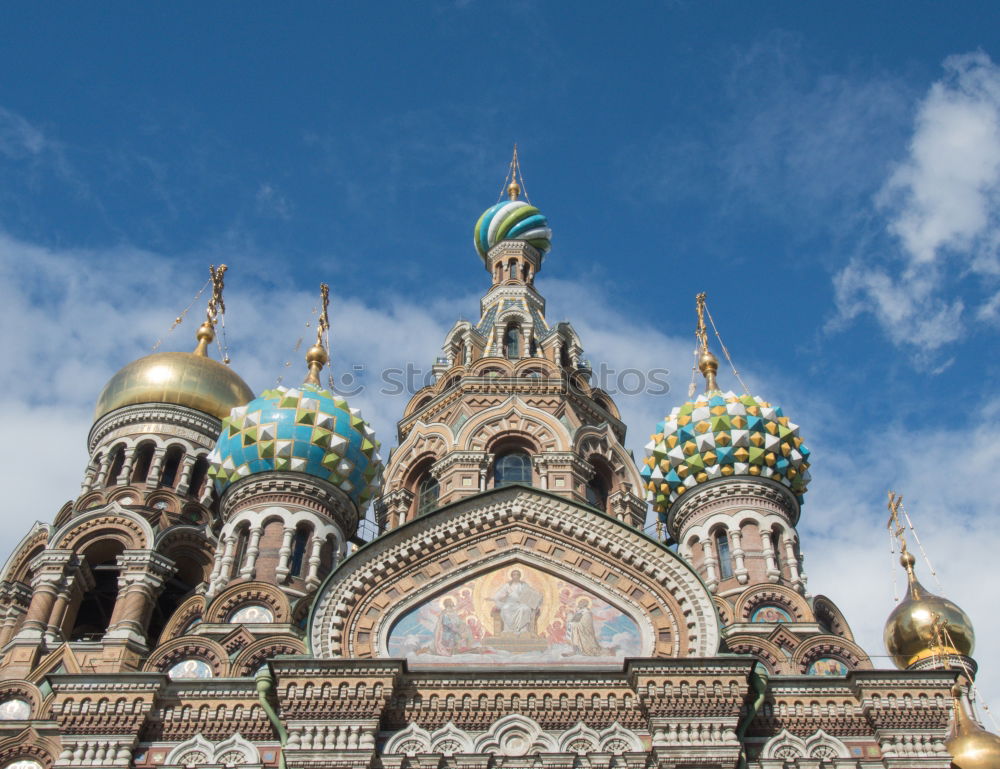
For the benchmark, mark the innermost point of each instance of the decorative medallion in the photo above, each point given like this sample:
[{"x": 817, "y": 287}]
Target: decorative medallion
[
  {"x": 190, "y": 668},
  {"x": 250, "y": 614},
  {"x": 14, "y": 709},
  {"x": 827, "y": 666},
  {"x": 770, "y": 613}
]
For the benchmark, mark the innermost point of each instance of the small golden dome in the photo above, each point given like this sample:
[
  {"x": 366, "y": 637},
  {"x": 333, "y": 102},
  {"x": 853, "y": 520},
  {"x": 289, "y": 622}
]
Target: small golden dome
[
  {"x": 971, "y": 746},
  {"x": 180, "y": 378},
  {"x": 910, "y": 630}
]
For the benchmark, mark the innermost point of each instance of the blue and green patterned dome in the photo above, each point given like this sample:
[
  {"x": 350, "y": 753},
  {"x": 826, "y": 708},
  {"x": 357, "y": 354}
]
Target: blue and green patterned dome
[
  {"x": 302, "y": 429},
  {"x": 722, "y": 434},
  {"x": 512, "y": 220}
]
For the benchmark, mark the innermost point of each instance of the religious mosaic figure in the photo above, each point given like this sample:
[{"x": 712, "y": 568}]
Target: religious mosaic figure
[
  {"x": 582, "y": 634},
  {"x": 452, "y": 634},
  {"x": 516, "y": 604}
]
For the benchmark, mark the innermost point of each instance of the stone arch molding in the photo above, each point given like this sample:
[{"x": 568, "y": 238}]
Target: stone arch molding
[
  {"x": 819, "y": 745},
  {"x": 512, "y": 735},
  {"x": 234, "y": 751},
  {"x": 353, "y": 610}
]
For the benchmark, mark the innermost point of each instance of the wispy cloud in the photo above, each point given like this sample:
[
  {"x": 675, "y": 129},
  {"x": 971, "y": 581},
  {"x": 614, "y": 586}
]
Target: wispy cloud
[{"x": 941, "y": 203}]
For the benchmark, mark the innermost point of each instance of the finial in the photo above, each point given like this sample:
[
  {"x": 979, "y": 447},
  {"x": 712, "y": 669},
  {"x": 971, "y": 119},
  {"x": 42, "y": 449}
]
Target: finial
[
  {"x": 514, "y": 173},
  {"x": 316, "y": 356},
  {"x": 216, "y": 305},
  {"x": 708, "y": 364},
  {"x": 895, "y": 525}
]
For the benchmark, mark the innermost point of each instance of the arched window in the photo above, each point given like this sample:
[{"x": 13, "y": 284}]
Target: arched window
[
  {"x": 114, "y": 470},
  {"x": 512, "y": 269},
  {"x": 298, "y": 551},
  {"x": 778, "y": 546},
  {"x": 725, "y": 559},
  {"x": 198, "y": 475},
  {"x": 190, "y": 573},
  {"x": 240, "y": 554},
  {"x": 428, "y": 492},
  {"x": 171, "y": 464},
  {"x": 597, "y": 492},
  {"x": 514, "y": 467},
  {"x": 143, "y": 459},
  {"x": 93, "y": 613},
  {"x": 512, "y": 342}
]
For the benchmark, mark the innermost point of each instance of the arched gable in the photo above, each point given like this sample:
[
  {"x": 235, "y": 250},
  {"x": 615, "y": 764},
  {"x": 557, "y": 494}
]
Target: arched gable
[
  {"x": 511, "y": 418},
  {"x": 111, "y": 522},
  {"x": 494, "y": 532}
]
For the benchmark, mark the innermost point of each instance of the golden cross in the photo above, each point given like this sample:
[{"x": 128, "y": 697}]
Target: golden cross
[
  {"x": 895, "y": 525},
  {"x": 701, "y": 332},
  {"x": 324, "y": 315},
  {"x": 216, "y": 304}
]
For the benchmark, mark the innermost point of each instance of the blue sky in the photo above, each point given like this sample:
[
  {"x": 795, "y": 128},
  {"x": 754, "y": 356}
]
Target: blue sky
[{"x": 830, "y": 174}]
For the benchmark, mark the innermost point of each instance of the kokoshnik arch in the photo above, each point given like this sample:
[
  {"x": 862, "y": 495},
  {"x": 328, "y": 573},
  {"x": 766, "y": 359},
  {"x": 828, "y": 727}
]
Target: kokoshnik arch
[{"x": 200, "y": 602}]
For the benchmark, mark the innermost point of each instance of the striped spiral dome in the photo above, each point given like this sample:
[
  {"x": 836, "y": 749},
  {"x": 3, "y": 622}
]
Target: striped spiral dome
[{"x": 512, "y": 220}]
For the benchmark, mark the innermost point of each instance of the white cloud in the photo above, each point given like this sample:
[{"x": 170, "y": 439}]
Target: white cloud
[
  {"x": 272, "y": 202},
  {"x": 942, "y": 204},
  {"x": 18, "y": 137}
]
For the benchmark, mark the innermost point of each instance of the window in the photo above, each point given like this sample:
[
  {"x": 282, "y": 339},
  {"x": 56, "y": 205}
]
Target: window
[
  {"x": 240, "y": 554},
  {"x": 171, "y": 464},
  {"x": 428, "y": 492},
  {"x": 514, "y": 467},
  {"x": 777, "y": 546},
  {"x": 198, "y": 476},
  {"x": 117, "y": 461},
  {"x": 597, "y": 492},
  {"x": 143, "y": 459},
  {"x": 298, "y": 552},
  {"x": 725, "y": 559},
  {"x": 512, "y": 342}
]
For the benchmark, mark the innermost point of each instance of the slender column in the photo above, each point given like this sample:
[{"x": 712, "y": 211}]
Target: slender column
[
  {"x": 155, "y": 468},
  {"x": 185, "y": 479},
  {"x": 16, "y": 597},
  {"x": 77, "y": 579},
  {"x": 540, "y": 468},
  {"x": 793, "y": 562},
  {"x": 283, "y": 554},
  {"x": 253, "y": 550},
  {"x": 742, "y": 575},
  {"x": 214, "y": 578},
  {"x": 711, "y": 565},
  {"x": 773, "y": 572},
  {"x": 102, "y": 472},
  {"x": 49, "y": 568},
  {"x": 312, "y": 577},
  {"x": 226, "y": 572},
  {"x": 89, "y": 475},
  {"x": 143, "y": 574},
  {"x": 125, "y": 474}
]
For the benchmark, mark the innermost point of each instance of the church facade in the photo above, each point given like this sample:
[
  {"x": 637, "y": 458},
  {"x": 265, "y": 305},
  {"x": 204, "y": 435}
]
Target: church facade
[{"x": 206, "y": 601}]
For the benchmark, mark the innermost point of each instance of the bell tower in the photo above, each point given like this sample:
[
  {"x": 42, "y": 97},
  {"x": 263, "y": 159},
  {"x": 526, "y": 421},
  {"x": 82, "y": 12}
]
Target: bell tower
[{"x": 512, "y": 400}]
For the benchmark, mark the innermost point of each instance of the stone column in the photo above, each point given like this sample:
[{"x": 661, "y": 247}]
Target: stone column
[
  {"x": 711, "y": 565},
  {"x": 284, "y": 553},
  {"x": 739, "y": 557},
  {"x": 125, "y": 474},
  {"x": 543, "y": 476},
  {"x": 312, "y": 575},
  {"x": 49, "y": 570},
  {"x": 89, "y": 476},
  {"x": 77, "y": 580},
  {"x": 773, "y": 572},
  {"x": 185, "y": 474},
  {"x": 143, "y": 574},
  {"x": 16, "y": 597},
  {"x": 226, "y": 563},
  {"x": 793, "y": 563},
  {"x": 253, "y": 550},
  {"x": 155, "y": 468}
]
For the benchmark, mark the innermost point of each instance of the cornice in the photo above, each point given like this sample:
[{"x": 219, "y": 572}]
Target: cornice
[
  {"x": 711, "y": 496},
  {"x": 154, "y": 413}
]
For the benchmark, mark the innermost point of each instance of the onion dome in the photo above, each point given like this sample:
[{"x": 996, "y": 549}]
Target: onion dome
[
  {"x": 718, "y": 435},
  {"x": 971, "y": 746},
  {"x": 302, "y": 429},
  {"x": 926, "y": 625},
  {"x": 189, "y": 379},
  {"x": 512, "y": 220}
]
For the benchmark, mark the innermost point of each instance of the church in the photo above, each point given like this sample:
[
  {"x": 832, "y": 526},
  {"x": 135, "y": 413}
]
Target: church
[{"x": 209, "y": 598}]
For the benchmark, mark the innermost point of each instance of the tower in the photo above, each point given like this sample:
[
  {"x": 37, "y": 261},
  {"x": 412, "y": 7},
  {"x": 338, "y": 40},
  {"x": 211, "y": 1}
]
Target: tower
[{"x": 726, "y": 474}]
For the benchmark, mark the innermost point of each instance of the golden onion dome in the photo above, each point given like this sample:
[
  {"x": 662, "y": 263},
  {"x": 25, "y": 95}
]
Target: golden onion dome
[
  {"x": 971, "y": 746},
  {"x": 189, "y": 379},
  {"x": 926, "y": 625}
]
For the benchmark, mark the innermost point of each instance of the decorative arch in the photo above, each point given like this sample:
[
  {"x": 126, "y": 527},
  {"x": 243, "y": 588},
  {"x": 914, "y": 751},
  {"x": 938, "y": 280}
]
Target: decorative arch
[
  {"x": 826, "y": 612},
  {"x": 780, "y": 595},
  {"x": 23, "y": 690},
  {"x": 257, "y": 653},
  {"x": 113, "y": 522},
  {"x": 19, "y": 564},
  {"x": 29, "y": 745},
  {"x": 409, "y": 741},
  {"x": 514, "y": 735},
  {"x": 234, "y": 751},
  {"x": 172, "y": 652},
  {"x": 193, "y": 608},
  {"x": 768, "y": 652},
  {"x": 249, "y": 592},
  {"x": 514, "y": 417},
  {"x": 357, "y": 604},
  {"x": 818, "y": 647},
  {"x": 786, "y": 745}
]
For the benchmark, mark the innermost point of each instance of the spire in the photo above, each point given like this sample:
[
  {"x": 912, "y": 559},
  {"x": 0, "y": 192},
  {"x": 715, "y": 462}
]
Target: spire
[
  {"x": 708, "y": 364},
  {"x": 316, "y": 356},
  {"x": 514, "y": 189},
  {"x": 216, "y": 305}
]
